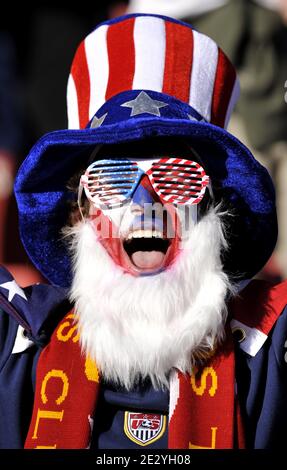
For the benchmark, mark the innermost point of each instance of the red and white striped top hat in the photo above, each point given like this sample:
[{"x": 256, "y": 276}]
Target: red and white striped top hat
[{"x": 155, "y": 53}]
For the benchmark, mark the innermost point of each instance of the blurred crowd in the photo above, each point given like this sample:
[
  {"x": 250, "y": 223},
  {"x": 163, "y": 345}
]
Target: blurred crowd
[{"x": 36, "y": 54}]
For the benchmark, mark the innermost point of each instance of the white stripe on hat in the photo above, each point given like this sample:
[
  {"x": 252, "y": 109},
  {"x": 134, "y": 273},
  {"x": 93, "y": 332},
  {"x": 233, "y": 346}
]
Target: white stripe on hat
[
  {"x": 205, "y": 57},
  {"x": 149, "y": 40},
  {"x": 98, "y": 65},
  {"x": 233, "y": 99},
  {"x": 72, "y": 109}
]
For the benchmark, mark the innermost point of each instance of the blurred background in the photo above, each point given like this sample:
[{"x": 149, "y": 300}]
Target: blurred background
[{"x": 36, "y": 53}]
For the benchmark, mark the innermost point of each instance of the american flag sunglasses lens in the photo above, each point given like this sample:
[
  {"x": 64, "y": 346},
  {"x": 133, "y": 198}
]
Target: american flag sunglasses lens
[
  {"x": 110, "y": 182},
  {"x": 178, "y": 181}
]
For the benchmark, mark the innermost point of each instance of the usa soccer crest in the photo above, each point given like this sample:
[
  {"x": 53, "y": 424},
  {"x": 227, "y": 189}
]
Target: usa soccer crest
[{"x": 144, "y": 428}]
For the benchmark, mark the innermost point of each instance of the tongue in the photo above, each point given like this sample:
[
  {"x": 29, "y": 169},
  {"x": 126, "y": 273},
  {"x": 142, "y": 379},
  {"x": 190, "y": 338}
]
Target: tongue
[{"x": 147, "y": 259}]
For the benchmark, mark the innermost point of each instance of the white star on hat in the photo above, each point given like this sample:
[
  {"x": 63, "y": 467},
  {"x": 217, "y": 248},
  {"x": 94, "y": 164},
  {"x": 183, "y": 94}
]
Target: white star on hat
[
  {"x": 13, "y": 289},
  {"x": 97, "y": 122},
  {"x": 143, "y": 103}
]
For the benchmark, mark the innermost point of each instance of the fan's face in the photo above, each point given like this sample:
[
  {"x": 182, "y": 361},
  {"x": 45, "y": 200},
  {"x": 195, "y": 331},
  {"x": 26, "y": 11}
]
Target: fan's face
[{"x": 143, "y": 206}]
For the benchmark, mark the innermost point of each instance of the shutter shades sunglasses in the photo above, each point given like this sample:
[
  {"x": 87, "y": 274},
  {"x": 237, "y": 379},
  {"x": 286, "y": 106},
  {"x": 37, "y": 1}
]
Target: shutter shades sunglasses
[{"x": 111, "y": 183}]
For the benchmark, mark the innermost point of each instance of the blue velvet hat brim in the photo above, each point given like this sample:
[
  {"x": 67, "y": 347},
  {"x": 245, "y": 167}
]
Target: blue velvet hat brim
[{"x": 43, "y": 197}]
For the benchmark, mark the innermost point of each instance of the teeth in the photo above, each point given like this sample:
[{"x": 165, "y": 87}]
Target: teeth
[{"x": 144, "y": 234}]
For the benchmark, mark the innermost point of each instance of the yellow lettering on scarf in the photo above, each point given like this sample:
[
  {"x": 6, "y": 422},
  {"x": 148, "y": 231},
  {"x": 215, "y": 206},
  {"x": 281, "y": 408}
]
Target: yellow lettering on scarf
[
  {"x": 55, "y": 374},
  {"x": 44, "y": 414},
  {"x": 200, "y": 389},
  {"x": 47, "y": 447},
  {"x": 69, "y": 333},
  {"x": 213, "y": 441},
  {"x": 91, "y": 370}
]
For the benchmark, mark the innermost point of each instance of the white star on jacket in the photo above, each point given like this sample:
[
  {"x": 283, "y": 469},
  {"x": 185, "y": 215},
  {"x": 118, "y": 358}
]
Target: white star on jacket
[{"x": 13, "y": 289}]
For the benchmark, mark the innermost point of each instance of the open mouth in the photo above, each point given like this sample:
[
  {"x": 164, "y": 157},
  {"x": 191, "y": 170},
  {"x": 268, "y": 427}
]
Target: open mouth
[{"x": 147, "y": 249}]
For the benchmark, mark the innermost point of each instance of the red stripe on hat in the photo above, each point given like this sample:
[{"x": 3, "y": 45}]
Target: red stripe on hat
[
  {"x": 121, "y": 52},
  {"x": 80, "y": 74},
  {"x": 178, "y": 61},
  {"x": 223, "y": 87}
]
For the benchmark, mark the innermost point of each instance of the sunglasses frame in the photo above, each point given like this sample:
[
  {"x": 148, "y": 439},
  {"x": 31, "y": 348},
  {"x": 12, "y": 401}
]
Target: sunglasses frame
[{"x": 144, "y": 167}]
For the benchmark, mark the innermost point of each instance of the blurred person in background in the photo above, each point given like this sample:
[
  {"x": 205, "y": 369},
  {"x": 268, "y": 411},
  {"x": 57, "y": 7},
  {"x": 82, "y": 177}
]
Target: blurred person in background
[{"x": 254, "y": 36}]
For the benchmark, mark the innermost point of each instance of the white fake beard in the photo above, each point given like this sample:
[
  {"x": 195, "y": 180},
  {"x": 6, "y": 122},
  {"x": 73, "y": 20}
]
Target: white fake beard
[{"x": 142, "y": 327}]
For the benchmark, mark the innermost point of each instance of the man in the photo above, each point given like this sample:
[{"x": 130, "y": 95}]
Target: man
[{"x": 149, "y": 218}]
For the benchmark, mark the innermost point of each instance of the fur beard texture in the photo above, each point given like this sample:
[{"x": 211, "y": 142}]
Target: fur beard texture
[{"x": 138, "y": 328}]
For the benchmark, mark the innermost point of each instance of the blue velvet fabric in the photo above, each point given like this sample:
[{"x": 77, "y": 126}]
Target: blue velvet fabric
[{"x": 43, "y": 197}]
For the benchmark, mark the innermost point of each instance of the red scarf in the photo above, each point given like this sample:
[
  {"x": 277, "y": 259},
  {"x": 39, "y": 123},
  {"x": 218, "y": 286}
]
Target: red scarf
[{"x": 203, "y": 410}]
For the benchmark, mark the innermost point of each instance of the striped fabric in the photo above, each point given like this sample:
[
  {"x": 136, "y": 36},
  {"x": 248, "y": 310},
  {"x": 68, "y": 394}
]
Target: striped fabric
[
  {"x": 178, "y": 180},
  {"x": 151, "y": 53}
]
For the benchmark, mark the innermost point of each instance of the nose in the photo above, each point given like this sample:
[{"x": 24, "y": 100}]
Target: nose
[
  {"x": 144, "y": 193},
  {"x": 149, "y": 210}
]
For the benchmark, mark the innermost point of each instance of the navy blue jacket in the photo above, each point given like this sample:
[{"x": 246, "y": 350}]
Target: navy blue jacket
[{"x": 28, "y": 317}]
